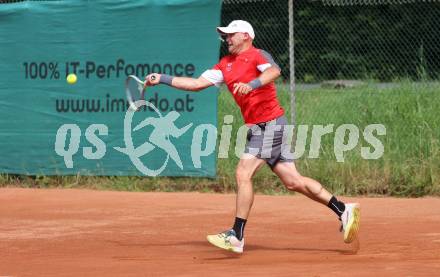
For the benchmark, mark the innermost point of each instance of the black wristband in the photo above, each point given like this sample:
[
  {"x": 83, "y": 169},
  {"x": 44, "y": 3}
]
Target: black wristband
[
  {"x": 166, "y": 79},
  {"x": 254, "y": 84}
]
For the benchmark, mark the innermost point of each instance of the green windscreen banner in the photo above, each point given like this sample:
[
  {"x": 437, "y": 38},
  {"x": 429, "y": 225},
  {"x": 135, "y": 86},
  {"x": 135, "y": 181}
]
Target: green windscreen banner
[{"x": 51, "y": 127}]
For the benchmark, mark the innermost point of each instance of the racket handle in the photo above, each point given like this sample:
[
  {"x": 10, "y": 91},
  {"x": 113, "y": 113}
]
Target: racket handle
[{"x": 153, "y": 78}]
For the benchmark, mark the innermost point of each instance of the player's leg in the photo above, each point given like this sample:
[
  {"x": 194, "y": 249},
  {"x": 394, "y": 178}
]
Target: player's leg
[
  {"x": 294, "y": 181},
  {"x": 233, "y": 239},
  {"x": 246, "y": 169},
  {"x": 349, "y": 214}
]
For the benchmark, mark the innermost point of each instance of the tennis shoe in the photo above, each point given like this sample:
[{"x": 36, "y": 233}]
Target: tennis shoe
[
  {"x": 350, "y": 219},
  {"x": 227, "y": 240}
]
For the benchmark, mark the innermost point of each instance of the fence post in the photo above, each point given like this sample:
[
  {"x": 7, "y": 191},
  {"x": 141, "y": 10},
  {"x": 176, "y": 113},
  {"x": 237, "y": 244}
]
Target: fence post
[{"x": 292, "y": 71}]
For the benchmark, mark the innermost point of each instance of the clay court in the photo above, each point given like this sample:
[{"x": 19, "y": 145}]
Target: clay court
[{"x": 102, "y": 233}]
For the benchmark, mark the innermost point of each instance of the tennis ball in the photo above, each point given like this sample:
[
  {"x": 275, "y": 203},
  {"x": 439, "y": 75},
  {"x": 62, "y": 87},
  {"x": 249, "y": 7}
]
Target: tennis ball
[{"x": 71, "y": 78}]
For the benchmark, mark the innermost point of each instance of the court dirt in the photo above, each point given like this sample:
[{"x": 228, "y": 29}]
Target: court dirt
[{"x": 64, "y": 232}]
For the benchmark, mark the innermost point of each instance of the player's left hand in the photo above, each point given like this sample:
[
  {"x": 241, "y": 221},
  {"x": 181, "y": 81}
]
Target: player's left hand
[{"x": 242, "y": 88}]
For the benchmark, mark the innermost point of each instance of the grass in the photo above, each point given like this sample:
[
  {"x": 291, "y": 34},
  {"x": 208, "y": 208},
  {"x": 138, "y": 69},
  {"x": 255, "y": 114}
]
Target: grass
[
  {"x": 410, "y": 165},
  {"x": 410, "y": 112}
]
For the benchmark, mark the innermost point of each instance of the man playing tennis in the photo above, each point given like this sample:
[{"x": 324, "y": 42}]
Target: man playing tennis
[{"x": 249, "y": 73}]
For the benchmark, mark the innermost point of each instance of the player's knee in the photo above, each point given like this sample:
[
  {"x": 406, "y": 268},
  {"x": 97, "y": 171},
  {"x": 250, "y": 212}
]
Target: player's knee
[{"x": 242, "y": 176}]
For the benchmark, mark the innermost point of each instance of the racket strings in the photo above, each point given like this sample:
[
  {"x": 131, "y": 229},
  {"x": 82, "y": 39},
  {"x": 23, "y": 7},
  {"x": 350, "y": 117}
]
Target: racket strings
[{"x": 135, "y": 91}]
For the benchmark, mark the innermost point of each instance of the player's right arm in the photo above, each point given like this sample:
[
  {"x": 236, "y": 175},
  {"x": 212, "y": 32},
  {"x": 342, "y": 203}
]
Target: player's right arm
[
  {"x": 183, "y": 83},
  {"x": 210, "y": 77}
]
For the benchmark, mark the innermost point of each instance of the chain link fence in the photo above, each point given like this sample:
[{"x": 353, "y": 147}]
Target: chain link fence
[
  {"x": 383, "y": 40},
  {"x": 271, "y": 25}
]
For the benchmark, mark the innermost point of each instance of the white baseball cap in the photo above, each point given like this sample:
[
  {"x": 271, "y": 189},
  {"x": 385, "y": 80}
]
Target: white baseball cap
[{"x": 237, "y": 26}]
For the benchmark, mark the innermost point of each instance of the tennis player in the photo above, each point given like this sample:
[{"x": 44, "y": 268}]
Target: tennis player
[{"x": 249, "y": 73}]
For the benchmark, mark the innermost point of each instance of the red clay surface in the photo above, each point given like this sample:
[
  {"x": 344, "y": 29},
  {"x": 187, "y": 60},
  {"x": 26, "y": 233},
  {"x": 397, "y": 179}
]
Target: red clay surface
[{"x": 102, "y": 233}]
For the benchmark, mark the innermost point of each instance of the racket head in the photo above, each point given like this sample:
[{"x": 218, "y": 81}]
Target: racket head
[{"x": 135, "y": 91}]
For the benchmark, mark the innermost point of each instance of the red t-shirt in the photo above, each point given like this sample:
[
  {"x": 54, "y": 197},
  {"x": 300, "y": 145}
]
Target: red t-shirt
[{"x": 259, "y": 105}]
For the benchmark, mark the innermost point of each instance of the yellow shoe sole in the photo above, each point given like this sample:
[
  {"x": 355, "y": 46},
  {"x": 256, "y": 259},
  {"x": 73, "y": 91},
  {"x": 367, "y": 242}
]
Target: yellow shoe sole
[
  {"x": 214, "y": 240},
  {"x": 352, "y": 229}
]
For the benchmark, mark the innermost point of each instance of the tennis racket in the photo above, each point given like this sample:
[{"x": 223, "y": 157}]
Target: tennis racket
[{"x": 135, "y": 90}]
